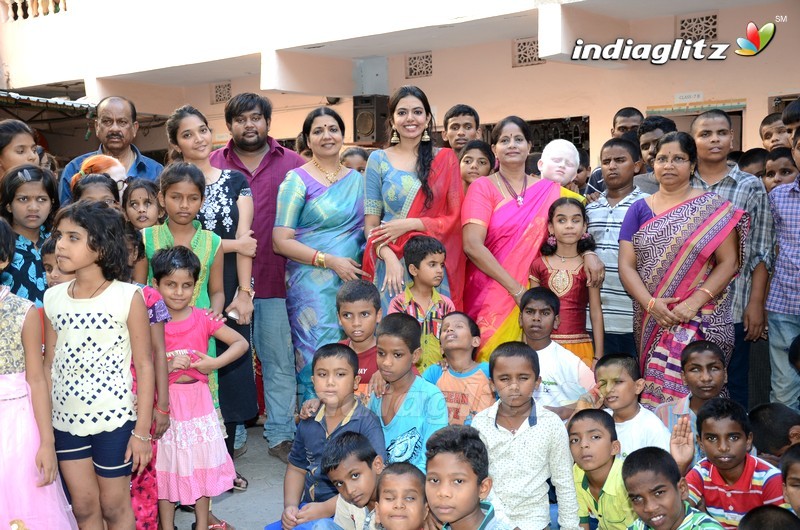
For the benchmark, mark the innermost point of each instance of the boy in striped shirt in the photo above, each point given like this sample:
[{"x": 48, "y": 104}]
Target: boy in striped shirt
[{"x": 729, "y": 482}]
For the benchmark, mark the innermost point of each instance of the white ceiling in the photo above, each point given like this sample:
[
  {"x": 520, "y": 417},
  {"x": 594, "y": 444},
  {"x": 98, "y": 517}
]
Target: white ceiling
[
  {"x": 513, "y": 26},
  {"x": 195, "y": 74}
]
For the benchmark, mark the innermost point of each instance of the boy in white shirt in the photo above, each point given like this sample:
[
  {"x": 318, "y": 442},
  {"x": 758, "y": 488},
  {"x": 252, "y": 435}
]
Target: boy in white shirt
[
  {"x": 619, "y": 383},
  {"x": 565, "y": 378}
]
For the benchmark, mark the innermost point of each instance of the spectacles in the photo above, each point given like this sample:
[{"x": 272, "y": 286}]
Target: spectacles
[
  {"x": 675, "y": 160},
  {"x": 122, "y": 183}
]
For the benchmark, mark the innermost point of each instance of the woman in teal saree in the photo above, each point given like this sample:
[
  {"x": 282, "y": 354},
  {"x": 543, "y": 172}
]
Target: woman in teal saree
[{"x": 319, "y": 228}]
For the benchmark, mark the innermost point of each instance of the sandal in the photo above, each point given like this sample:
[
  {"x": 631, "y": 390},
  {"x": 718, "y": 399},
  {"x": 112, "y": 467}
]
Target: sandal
[{"x": 240, "y": 483}]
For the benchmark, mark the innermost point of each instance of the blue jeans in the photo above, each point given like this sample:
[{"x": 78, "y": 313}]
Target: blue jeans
[
  {"x": 739, "y": 368},
  {"x": 273, "y": 343},
  {"x": 785, "y": 380}
]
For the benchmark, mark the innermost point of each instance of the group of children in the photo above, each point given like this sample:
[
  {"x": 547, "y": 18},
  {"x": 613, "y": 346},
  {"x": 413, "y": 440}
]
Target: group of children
[
  {"x": 407, "y": 430},
  {"x": 129, "y": 365},
  {"x": 487, "y": 446}
]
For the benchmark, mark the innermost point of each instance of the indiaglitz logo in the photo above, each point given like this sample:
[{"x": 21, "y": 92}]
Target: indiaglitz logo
[
  {"x": 757, "y": 39},
  {"x": 628, "y": 49},
  {"x": 678, "y": 50}
]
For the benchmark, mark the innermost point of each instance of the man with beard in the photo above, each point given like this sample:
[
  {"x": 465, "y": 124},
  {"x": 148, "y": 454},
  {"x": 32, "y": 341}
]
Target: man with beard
[
  {"x": 115, "y": 127},
  {"x": 265, "y": 164}
]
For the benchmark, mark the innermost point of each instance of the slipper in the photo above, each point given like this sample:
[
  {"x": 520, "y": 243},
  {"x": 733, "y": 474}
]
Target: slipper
[{"x": 240, "y": 483}]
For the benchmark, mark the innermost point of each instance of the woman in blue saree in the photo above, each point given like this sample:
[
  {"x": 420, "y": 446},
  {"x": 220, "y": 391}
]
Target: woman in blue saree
[{"x": 319, "y": 228}]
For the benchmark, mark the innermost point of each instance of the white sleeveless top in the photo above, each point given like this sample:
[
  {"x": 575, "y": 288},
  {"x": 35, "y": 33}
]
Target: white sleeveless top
[{"x": 92, "y": 379}]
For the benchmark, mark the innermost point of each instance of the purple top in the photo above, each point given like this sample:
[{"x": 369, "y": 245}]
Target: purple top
[
  {"x": 784, "y": 297},
  {"x": 638, "y": 214},
  {"x": 268, "y": 268}
]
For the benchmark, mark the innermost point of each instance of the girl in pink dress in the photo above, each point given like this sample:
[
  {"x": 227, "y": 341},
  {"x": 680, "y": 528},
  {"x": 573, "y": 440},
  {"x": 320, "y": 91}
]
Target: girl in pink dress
[
  {"x": 30, "y": 494},
  {"x": 193, "y": 464}
]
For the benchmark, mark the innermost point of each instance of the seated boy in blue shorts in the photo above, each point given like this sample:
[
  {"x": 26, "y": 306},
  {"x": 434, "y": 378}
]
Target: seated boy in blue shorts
[{"x": 308, "y": 493}]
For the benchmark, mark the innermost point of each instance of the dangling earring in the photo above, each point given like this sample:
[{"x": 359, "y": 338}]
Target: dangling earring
[
  {"x": 425, "y": 136},
  {"x": 395, "y": 138},
  {"x": 551, "y": 240},
  {"x": 585, "y": 236}
]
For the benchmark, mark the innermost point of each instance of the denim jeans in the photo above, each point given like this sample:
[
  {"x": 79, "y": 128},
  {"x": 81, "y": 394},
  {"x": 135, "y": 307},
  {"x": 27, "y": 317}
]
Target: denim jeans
[
  {"x": 739, "y": 368},
  {"x": 273, "y": 342},
  {"x": 785, "y": 381}
]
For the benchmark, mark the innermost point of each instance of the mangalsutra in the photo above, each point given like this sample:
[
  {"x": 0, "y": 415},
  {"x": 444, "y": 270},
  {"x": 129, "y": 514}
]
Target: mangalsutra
[
  {"x": 521, "y": 197},
  {"x": 330, "y": 176}
]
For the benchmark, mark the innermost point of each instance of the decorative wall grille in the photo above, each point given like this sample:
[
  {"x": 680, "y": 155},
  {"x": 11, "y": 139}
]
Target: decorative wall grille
[
  {"x": 221, "y": 93},
  {"x": 419, "y": 65},
  {"x": 525, "y": 52},
  {"x": 698, "y": 27}
]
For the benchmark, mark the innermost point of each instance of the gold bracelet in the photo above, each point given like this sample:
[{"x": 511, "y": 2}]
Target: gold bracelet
[
  {"x": 693, "y": 310},
  {"x": 322, "y": 260},
  {"x": 246, "y": 289},
  {"x": 650, "y": 304},
  {"x": 709, "y": 293},
  {"x": 147, "y": 438}
]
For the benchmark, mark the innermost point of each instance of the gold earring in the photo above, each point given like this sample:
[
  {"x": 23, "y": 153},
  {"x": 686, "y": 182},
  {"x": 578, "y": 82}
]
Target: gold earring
[
  {"x": 425, "y": 136},
  {"x": 395, "y": 138}
]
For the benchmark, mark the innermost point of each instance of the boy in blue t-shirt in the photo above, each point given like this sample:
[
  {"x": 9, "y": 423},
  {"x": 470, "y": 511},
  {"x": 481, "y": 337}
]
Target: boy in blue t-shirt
[{"x": 411, "y": 409}]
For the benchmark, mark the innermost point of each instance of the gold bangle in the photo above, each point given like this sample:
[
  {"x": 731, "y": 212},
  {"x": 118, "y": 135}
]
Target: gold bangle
[
  {"x": 322, "y": 259},
  {"x": 693, "y": 310},
  {"x": 650, "y": 304},
  {"x": 709, "y": 293}
]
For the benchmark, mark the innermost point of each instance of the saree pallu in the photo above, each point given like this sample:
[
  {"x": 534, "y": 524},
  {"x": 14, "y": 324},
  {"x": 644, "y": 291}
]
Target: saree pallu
[
  {"x": 331, "y": 222},
  {"x": 514, "y": 236},
  {"x": 205, "y": 245},
  {"x": 674, "y": 256},
  {"x": 441, "y": 220}
]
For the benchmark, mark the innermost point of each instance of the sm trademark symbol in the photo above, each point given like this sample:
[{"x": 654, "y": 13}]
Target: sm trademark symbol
[{"x": 781, "y": 18}]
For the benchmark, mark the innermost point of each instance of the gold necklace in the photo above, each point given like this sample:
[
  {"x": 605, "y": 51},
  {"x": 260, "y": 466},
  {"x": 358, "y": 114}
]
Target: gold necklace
[{"x": 330, "y": 176}]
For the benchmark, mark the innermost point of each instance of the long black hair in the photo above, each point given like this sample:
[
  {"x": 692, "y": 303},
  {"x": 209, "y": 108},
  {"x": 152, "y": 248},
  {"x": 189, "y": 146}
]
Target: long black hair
[{"x": 425, "y": 149}]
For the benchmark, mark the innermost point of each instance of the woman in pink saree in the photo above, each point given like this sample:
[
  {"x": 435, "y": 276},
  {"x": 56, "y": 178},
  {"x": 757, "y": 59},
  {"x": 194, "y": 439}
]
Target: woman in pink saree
[
  {"x": 504, "y": 219},
  {"x": 679, "y": 250}
]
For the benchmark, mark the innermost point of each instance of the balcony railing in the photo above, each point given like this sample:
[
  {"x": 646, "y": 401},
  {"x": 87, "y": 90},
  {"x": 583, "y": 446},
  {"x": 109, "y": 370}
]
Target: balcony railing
[{"x": 17, "y": 10}]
